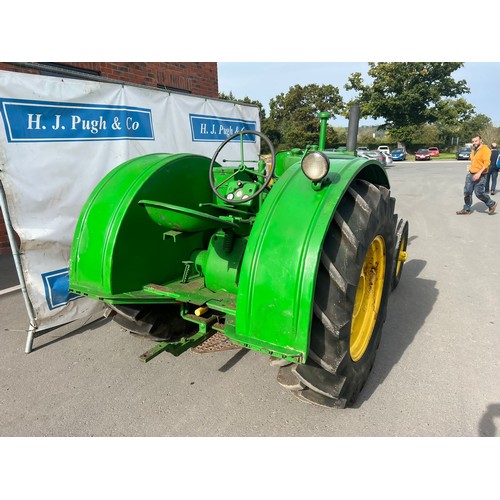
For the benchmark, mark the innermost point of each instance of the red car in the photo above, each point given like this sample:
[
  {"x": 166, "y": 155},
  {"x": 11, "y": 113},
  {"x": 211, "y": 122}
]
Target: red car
[
  {"x": 433, "y": 151},
  {"x": 423, "y": 154}
]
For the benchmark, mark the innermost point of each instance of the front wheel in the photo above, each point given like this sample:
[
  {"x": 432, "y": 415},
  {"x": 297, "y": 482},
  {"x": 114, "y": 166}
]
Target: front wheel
[{"x": 350, "y": 301}]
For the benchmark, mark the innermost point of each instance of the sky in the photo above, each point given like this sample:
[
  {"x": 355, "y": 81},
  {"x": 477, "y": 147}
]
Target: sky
[
  {"x": 262, "y": 81},
  {"x": 291, "y": 42}
]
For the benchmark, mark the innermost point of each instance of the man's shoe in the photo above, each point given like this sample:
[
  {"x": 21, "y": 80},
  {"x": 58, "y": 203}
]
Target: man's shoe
[
  {"x": 465, "y": 212},
  {"x": 492, "y": 209},
  {"x": 493, "y": 192}
]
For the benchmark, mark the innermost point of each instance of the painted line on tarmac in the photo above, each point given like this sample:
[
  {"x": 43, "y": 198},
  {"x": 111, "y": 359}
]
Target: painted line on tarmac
[{"x": 11, "y": 289}]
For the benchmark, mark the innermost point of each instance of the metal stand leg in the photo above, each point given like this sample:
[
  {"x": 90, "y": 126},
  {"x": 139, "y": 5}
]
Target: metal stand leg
[
  {"x": 19, "y": 269},
  {"x": 29, "y": 340}
]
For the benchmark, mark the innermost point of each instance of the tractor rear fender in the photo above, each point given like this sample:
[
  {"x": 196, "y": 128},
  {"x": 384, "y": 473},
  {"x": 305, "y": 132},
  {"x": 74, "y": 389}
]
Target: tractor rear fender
[
  {"x": 117, "y": 248},
  {"x": 278, "y": 274}
]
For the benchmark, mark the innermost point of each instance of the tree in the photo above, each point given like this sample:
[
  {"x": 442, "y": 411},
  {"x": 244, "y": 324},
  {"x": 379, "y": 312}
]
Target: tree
[
  {"x": 406, "y": 94},
  {"x": 428, "y": 135},
  {"x": 273, "y": 135},
  {"x": 453, "y": 114},
  {"x": 294, "y": 116},
  {"x": 478, "y": 124},
  {"x": 490, "y": 134},
  {"x": 246, "y": 100}
]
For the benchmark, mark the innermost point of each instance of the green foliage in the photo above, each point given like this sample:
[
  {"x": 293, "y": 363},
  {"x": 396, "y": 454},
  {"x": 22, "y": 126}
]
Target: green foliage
[
  {"x": 491, "y": 134},
  {"x": 451, "y": 113},
  {"x": 406, "y": 94},
  {"x": 420, "y": 102},
  {"x": 403, "y": 134},
  {"x": 246, "y": 100},
  {"x": 294, "y": 116},
  {"x": 428, "y": 135},
  {"x": 273, "y": 135}
]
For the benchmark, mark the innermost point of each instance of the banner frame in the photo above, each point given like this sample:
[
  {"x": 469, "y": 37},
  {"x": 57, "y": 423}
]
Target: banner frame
[
  {"x": 19, "y": 270},
  {"x": 20, "y": 253}
]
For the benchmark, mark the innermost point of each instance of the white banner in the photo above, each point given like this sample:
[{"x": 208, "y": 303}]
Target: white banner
[{"x": 59, "y": 137}]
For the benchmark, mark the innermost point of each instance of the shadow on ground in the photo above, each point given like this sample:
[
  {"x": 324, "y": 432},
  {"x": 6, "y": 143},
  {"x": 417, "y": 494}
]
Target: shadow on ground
[
  {"x": 487, "y": 427},
  {"x": 409, "y": 305},
  {"x": 50, "y": 336}
]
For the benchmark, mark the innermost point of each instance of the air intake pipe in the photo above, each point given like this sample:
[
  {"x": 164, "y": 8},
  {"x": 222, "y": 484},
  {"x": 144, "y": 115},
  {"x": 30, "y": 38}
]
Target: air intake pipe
[{"x": 352, "y": 131}]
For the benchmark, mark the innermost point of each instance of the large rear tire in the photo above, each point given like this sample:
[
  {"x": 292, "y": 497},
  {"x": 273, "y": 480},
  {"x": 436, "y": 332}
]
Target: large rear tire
[{"x": 350, "y": 302}]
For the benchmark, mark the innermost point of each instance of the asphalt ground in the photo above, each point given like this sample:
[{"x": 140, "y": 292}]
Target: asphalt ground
[{"x": 436, "y": 374}]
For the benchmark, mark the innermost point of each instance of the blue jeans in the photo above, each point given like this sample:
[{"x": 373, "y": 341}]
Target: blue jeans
[
  {"x": 476, "y": 187},
  {"x": 493, "y": 176}
]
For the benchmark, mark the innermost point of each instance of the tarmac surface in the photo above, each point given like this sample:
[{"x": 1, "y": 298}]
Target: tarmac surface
[{"x": 436, "y": 372}]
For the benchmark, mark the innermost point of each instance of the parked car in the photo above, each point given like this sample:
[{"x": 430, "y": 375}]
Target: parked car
[
  {"x": 384, "y": 148},
  {"x": 433, "y": 151},
  {"x": 388, "y": 159},
  {"x": 464, "y": 153},
  {"x": 374, "y": 155},
  {"x": 423, "y": 154},
  {"x": 361, "y": 149},
  {"x": 398, "y": 154}
]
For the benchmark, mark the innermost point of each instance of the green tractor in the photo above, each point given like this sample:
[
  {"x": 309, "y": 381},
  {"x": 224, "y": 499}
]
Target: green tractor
[{"x": 294, "y": 257}]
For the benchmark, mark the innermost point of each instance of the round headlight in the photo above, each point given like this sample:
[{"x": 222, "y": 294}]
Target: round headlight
[{"x": 315, "y": 165}]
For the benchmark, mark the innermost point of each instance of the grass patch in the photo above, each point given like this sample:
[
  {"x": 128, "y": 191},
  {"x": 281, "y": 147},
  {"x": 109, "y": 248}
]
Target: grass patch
[{"x": 446, "y": 156}]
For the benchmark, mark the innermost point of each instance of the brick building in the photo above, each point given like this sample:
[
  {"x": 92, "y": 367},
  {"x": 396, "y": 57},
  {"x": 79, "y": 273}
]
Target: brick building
[{"x": 196, "y": 78}]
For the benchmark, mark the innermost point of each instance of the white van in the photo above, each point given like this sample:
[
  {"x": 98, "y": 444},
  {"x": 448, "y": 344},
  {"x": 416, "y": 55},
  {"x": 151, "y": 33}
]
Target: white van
[{"x": 386, "y": 149}]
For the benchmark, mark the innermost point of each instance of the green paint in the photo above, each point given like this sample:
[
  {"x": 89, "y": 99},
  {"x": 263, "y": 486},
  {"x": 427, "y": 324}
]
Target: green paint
[{"x": 153, "y": 232}]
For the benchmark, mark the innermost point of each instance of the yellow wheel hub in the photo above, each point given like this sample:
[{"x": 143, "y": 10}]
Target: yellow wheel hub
[
  {"x": 402, "y": 256},
  {"x": 368, "y": 297}
]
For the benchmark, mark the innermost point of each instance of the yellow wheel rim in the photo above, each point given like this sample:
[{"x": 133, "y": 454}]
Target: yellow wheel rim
[{"x": 368, "y": 297}]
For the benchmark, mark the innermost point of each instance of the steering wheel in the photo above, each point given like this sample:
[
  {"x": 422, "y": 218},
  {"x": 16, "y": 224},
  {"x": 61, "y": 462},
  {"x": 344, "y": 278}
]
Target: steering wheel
[{"x": 242, "y": 167}]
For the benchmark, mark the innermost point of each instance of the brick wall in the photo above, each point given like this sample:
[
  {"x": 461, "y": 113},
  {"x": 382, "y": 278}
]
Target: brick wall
[{"x": 197, "y": 78}]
